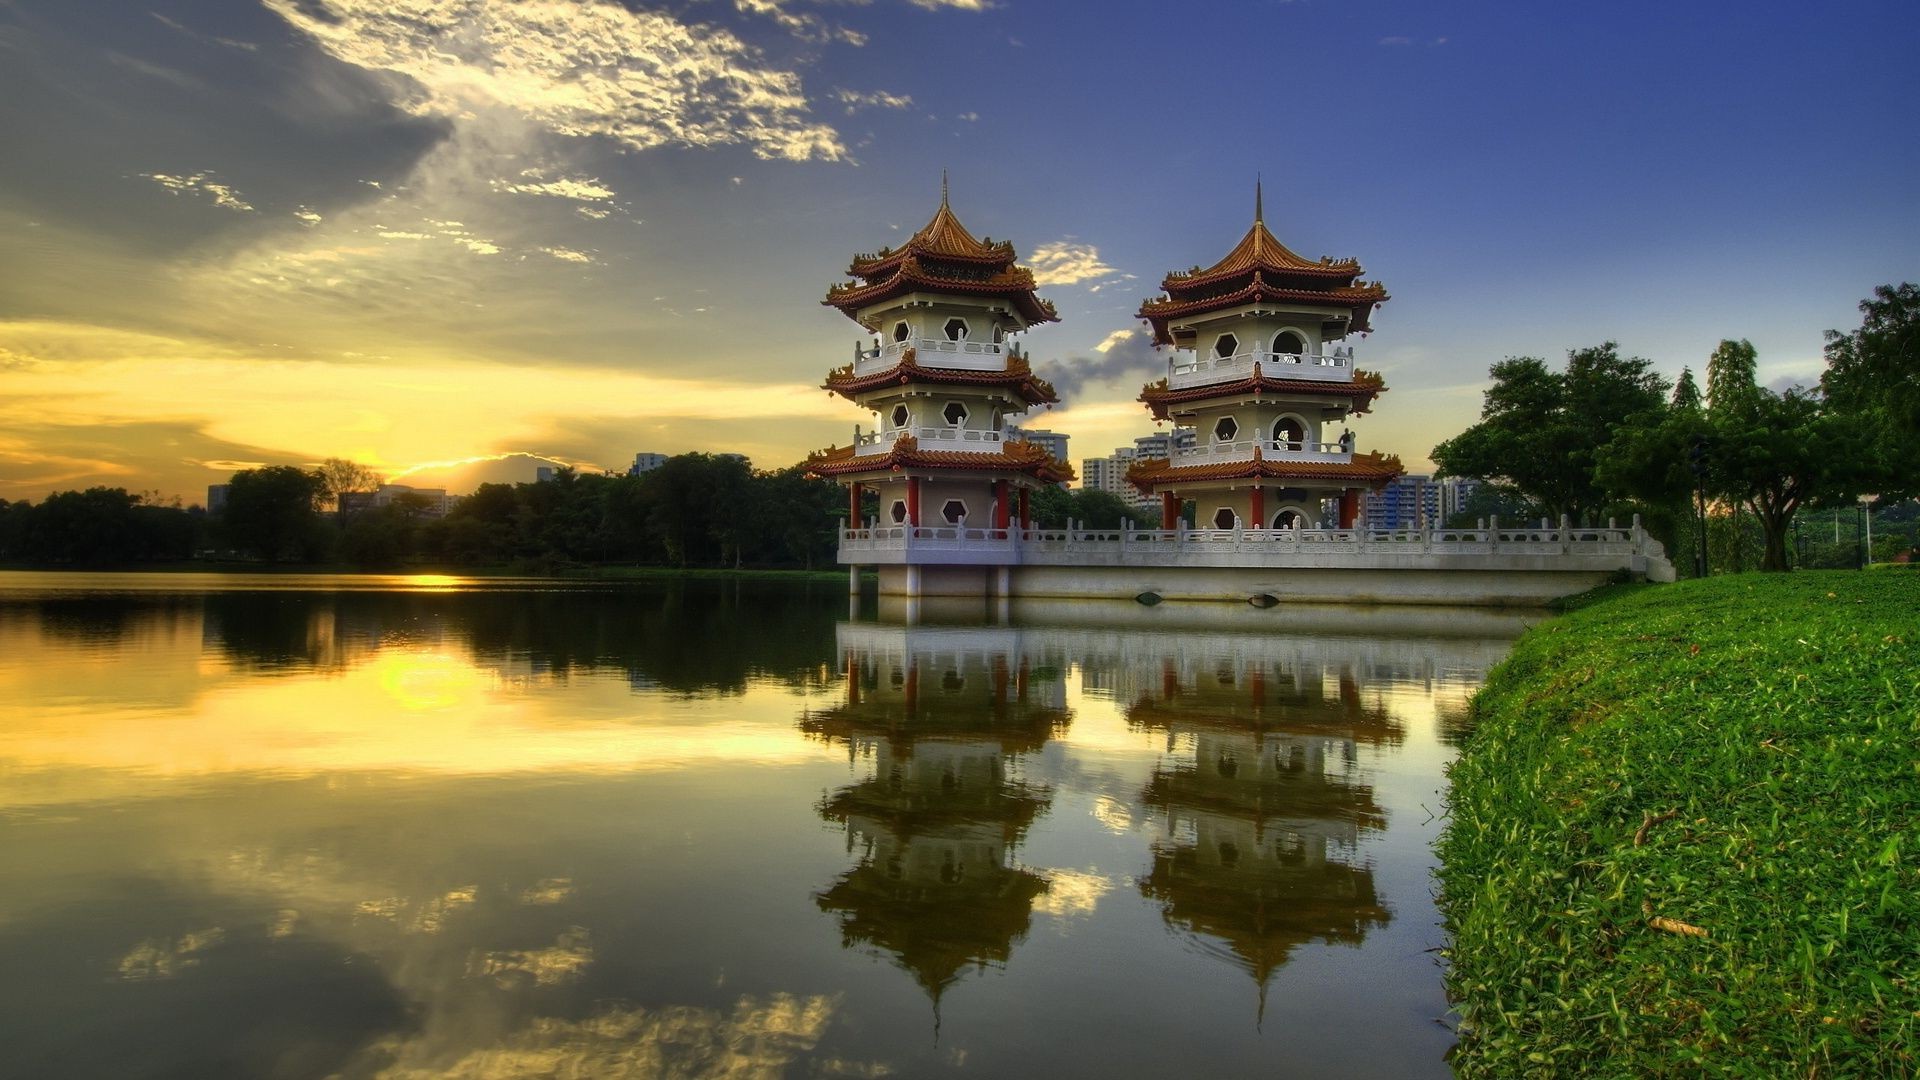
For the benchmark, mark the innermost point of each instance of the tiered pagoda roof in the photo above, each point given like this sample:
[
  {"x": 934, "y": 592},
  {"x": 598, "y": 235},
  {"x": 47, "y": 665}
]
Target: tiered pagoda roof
[
  {"x": 943, "y": 257},
  {"x": 1017, "y": 378},
  {"x": 1366, "y": 385},
  {"x": 1370, "y": 470},
  {"x": 1017, "y": 456},
  {"x": 1260, "y": 269}
]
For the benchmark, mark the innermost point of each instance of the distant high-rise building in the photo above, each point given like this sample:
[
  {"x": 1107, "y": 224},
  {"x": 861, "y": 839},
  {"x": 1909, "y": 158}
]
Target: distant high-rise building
[
  {"x": 542, "y": 473},
  {"x": 433, "y": 502},
  {"x": 1109, "y": 473},
  {"x": 645, "y": 462},
  {"x": 1407, "y": 502},
  {"x": 217, "y": 497}
]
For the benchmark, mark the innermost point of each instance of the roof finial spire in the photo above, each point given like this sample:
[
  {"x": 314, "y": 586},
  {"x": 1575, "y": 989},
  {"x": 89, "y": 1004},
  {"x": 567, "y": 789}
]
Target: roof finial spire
[
  {"x": 1259, "y": 211},
  {"x": 943, "y": 187}
]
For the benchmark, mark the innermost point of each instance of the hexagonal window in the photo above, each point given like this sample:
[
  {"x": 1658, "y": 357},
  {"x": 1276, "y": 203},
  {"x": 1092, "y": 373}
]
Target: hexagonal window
[
  {"x": 955, "y": 512},
  {"x": 901, "y": 415},
  {"x": 1225, "y": 345},
  {"x": 956, "y": 329},
  {"x": 1224, "y": 518},
  {"x": 955, "y": 412},
  {"x": 899, "y": 512},
  {"x": 1286, "y": 341},
  {"x": 1225, "y": 429},
  {"x": 901, "y": 331}
]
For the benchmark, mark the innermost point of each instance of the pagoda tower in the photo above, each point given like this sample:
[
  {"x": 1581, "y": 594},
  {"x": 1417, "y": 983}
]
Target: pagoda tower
[
  {"x": 1259, "y": 374},
  {"x": 942, "y": 378}
]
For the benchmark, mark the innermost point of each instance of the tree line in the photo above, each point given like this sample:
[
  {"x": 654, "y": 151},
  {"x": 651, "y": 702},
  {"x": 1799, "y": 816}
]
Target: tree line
[{"x": 1609, "y": 436}]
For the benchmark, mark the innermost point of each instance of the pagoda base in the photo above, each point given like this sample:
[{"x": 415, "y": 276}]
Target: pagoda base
[{"x": 1455, "y": 568}]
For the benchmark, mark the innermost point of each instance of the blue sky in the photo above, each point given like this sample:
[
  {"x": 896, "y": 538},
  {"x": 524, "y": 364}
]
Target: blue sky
[{"x": 406, "y": 231}]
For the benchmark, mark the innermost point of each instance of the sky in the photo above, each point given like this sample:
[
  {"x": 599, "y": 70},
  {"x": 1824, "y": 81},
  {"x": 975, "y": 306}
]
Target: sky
[{"x": 420, "y": 232}]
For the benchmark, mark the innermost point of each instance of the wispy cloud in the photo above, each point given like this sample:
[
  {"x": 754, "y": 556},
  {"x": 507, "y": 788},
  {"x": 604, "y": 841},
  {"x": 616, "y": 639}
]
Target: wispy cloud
[
  {"x": 538, "y": 182},
  {"x": 202, "y": 183},
  {"x": 855, "y": 100},
  {"x": 566, "y": 254},
  {"x": 1064, "y": 262},
  {"x": 806, "y": 27},
  {"x": 641, "y": 78}
]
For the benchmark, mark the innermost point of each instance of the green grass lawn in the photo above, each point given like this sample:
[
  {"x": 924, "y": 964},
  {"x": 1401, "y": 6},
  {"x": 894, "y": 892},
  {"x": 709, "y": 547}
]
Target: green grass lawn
[{"x": 1684, "y": 837}]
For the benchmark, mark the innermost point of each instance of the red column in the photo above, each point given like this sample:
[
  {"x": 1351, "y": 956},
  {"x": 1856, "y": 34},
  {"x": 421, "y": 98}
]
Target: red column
[
  {"x": 1349, "y": 507},
  {"x": 853, "y": 505},
  {"x": 913, "y": 501},
  {"x": 1259, "y": 508},
  {"x": 853, "y": 678},
  {"x": 1026, "y": 513},
  {"x": 1000, "y": 514},
  {"x": 1169, "y": 510},
  {"x": 912, "y": 689}
]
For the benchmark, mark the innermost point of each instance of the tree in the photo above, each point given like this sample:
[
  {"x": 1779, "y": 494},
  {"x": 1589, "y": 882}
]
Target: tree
[
  {"x": 1767, "y": 453},
  {"x": 1541, "y": 432},
  {"x": 338, "y": 477},
  {"x": 1873, "y": 378},
  {"x": 273, "y": 513}
]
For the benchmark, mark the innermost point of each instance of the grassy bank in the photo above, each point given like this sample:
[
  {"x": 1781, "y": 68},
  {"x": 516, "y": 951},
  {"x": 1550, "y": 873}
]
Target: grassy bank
[{"x": 1685, "y": 836}]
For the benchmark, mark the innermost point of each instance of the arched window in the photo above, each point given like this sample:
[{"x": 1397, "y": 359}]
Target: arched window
[
  {"x": 1225, "y": 345},
  {"x": 1287, "y": 519},
  {"x": 1289, "y": 433},
  {"x": 1286, "y": 341},
  {"x": 956, "y": 329}
]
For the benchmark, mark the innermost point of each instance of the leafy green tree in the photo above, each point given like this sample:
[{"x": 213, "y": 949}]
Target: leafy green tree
[
  {"x": 273, "y": 513},
  {"x": 1541, "y": 432},
  {"x": 1873, "y": 379}
]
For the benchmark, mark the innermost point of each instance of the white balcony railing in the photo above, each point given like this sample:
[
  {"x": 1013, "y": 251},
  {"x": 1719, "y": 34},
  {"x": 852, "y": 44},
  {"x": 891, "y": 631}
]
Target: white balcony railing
[
  {"x": 960, "y": 355},
  {"x": 930, "y": 438},
  {"x": 1187, "y": 369},
  {"x": 1270, "y": 449}
]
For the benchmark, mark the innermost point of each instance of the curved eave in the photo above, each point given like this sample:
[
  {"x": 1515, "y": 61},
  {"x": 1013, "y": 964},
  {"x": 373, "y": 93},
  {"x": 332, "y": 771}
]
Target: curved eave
[
  {"x": 1018, "y": 378},
  {"x": 1019, "y": 457},
  {"x": 1160, "y": 399},
  {"x": 1358, "y": 299},
  {"x": 1374, "y": 471},
  {"x": 942, "y": 237},
  {"x": 1015, "y": 286}
]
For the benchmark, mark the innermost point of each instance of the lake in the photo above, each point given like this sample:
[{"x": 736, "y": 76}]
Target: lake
[{"x": 305, "y": 826}]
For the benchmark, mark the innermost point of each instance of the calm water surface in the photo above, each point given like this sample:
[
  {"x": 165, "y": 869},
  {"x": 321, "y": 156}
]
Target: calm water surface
[{"x": 394, "y": 827}]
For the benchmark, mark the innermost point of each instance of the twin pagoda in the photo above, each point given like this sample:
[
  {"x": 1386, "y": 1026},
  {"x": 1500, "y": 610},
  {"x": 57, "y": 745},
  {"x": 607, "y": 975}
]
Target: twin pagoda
[{"x": 1260, "y": 373}]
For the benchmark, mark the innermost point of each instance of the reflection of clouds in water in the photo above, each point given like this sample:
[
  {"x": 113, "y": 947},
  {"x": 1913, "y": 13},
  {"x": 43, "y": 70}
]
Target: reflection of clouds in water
[
  {"x": 548, "y": 891},
  {"x": 429, "y": 917},
  {"x": 160, "y": 958},
  {"x": 758, "y": 1038},
  {"x": 563, "y": 961},
  {"x": 1114, "y": 814},
  {"x": 1072, "y": 892}
]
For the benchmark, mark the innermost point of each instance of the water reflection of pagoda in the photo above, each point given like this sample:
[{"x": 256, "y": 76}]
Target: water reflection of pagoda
[
  {"x": 938, "y": 721},
  {"x": 1264, "y": 820}
]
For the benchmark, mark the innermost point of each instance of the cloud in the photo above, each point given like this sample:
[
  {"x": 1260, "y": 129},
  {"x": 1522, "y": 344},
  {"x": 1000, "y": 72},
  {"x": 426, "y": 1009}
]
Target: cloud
[
  {"x": 536, "y": 182},
  {"x": 202, "y": 183},
  {"x": 856, "y": 100},
  {"x": 803, "y": 26},
  {"x": 568, "y": 254},
  {"x": 953, "y": 5},
  {"x": 1121, "y": 353},
  {"x": 1063, "y": 262},
  {"x": 308, "y": 216},
  {"x": 641, "y": 78}
]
